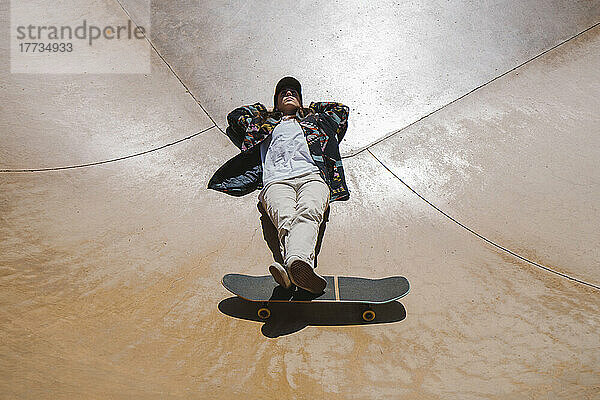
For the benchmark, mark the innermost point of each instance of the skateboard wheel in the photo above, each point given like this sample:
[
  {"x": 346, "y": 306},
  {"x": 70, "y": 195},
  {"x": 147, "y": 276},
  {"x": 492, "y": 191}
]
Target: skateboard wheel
[
  {"x": 368, "y": 315},
  {"x": 264, "y": 313}
]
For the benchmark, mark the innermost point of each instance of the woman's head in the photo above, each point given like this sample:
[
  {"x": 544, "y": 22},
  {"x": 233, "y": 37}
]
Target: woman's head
[
  {"x": 288, "y": 101},
  {"x": 288, "y": 96}
]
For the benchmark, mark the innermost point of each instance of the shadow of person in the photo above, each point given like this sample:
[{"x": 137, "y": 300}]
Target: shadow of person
[
  {"x": 288, "y": 318},
  {"x": 270, "y": 234}
]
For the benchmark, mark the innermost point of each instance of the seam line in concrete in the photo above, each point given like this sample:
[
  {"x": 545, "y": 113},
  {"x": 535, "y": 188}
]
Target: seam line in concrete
[
  {"x": 393, "y": 133},
  {"x": 512, "y": 253},
  {"x": 106, "y": 161}
]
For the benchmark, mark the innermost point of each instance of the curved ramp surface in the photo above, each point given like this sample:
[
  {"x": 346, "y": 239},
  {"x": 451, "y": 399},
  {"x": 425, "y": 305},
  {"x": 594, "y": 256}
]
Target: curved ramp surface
[
  {"x": 518, "y": 160},
  {"x": 391, "y": 62},
  {"x": 110, "y": 273}
]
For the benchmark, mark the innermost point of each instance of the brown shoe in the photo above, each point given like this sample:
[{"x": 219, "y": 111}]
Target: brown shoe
[
  {"x": 304, "y": 276},
  {"x": 280, "y": 275}
]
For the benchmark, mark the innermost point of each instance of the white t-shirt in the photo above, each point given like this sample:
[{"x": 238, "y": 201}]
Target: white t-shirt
[{"x": 285, "y": 153}]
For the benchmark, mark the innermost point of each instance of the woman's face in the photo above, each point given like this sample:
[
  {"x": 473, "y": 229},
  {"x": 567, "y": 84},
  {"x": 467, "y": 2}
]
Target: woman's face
[{"x": 288, "y": 101}]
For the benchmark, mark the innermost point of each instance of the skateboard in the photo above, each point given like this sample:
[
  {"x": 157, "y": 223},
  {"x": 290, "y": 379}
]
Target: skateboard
[{"x": 344, "y": 289}]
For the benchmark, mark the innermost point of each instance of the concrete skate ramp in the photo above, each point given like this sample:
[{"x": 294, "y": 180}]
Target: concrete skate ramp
[
  {"x": 391, "y": 62},
  {"x": 111, "y": 256}
]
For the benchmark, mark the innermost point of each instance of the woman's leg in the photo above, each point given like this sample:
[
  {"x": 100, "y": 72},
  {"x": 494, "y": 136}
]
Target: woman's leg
[
  {"x": 279, "y": 202},
  {"x": 312, "y": 200},
  {"x": 296, "y": 207}
]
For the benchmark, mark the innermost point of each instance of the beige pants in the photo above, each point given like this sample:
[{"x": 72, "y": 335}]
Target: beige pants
[{"x": 296, "y": 207}]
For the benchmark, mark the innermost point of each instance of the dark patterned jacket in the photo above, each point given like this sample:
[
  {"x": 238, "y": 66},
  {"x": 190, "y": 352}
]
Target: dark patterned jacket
[{"x": 324, "y": 125}]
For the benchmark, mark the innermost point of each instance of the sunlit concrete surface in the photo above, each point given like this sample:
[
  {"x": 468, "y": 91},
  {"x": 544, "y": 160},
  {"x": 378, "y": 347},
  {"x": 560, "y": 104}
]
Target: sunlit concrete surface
[
  {"x": 50, "y": 121},
  {"x": 58, "y": 120},
  {"x": 518, "y": 161},
  {"x": 110, "y": 273},
  {"x": 391, "y": 62}
]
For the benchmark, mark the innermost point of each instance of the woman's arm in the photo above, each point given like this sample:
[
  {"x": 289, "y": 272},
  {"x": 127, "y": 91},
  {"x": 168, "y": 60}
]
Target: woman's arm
[
  {"x": 243, "y": 121},
  {"x": 336, "y": 113}
]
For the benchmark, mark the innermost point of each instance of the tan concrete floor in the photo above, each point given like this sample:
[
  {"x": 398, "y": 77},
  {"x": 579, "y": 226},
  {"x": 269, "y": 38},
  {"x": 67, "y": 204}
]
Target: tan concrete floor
[{"x": 110, "y": 272}]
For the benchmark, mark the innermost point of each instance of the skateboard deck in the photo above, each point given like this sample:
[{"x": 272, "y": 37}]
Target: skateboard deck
[{"x": 344, "y": 289}]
